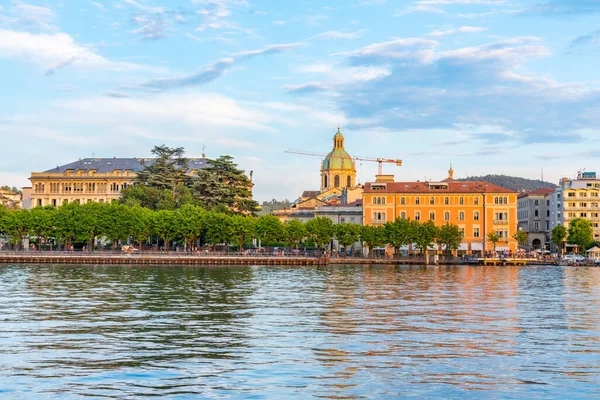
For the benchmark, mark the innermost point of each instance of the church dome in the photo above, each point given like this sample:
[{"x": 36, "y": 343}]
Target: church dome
[{"x": 338, "y": 158}]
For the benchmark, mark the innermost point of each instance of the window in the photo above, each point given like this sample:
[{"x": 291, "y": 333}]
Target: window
[
  {"x": 39, "y": 202},
  {"x": 342, "y": 220},
  {"x": 447, "y": 216},
  {"x": 348, "y": 182},
  {"x": 461, "y": 216},
  {"x": 582, "y": 204},
  {"x": 378, "y": 217},
  {"x": 537, "y": 213},
  {"x": 417, "y": 216},
  {"x": 431, "y": 200},
  {"x": 547, "y": 213},
  {"x": 403, "y": 215},
  {"x": 476, "y": 232},
  {"x": 461, "y": 229},
  {"x": 570, "y": 194},
  {"x": 547, "y": 225},
  {"x": 446, "y": 200},
  {"x": 476, "y": 216},
  {"x": 53, "y": 202},
  {"x": 476, "y": 200},
  {"x": 383, "y": 200},
  {"x": 536, "y": 226},
  {"x": 336, "y": 181},
  {"x": 325, "y": 181},
  {"x": 506, "y": 200},
  {"x": 583, "y": 215},
  {"x": 461, "y": 201},
  {"x": 537, "y": 203},
  {"x": 418, "y": 200},
  {"x": 402, "y": 201},
  {"x": 432, "y": 215}
]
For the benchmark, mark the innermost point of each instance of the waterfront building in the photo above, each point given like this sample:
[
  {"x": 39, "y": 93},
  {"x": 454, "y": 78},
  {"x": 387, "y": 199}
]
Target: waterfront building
[
  {"x": 576, "y": 198},
  {"x": 91, "y": 179},
  {"x": 10, "y": 199},
  {"x": 533, "y": 213},
  {"x": 478, "y": 208}
]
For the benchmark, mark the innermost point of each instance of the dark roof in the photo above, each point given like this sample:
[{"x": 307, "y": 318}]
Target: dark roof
[
  {"x": 104, "y": 165},
  {"x": 539, "y": 192},
  {"x": 423, "y": 187},
  {"x": 310, "y": 193}
]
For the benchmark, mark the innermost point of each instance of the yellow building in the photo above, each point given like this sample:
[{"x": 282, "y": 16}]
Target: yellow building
[
  {"x": 10, "y": 199},
  {"x": 478, "y": 208},
  {"x": 338, "y": 169},
  {"x": 90, "y": 179}
]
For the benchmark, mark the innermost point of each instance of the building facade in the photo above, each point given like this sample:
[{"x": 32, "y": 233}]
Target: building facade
[
  {"x": 534, "y": 214},
  {"x": 338, "y": 169},
  {"x": 90, "y": 179},
  {"x": 577, "y": 198},
  {"x": 10, "y": 199},
  {"x": 478, "y": 208}
]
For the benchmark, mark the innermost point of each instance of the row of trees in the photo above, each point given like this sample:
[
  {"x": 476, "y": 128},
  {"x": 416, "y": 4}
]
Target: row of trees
[
  {"x": 580, "y": 233},
  {"x": 191, "y": 225}
]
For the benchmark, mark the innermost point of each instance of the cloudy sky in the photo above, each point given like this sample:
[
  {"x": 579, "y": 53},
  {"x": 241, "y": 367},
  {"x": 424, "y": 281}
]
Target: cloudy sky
[{"x": 491, "y": 86}]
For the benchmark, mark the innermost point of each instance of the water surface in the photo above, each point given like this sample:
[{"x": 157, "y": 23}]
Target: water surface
[{"x": 272, "y": 332}]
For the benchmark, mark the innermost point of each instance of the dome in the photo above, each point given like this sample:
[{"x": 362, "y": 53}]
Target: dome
[{"x": 338, "y": 159}]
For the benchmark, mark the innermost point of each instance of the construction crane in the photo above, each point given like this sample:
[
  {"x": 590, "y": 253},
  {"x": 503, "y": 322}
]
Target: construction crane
[{"x": 378, "y": 160}]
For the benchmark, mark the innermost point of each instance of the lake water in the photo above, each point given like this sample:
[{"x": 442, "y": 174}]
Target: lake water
[{"x": 271, "y": 332}]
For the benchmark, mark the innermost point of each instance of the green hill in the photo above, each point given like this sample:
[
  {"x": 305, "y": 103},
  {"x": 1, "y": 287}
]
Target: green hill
[{"x": 512, "y": 182}]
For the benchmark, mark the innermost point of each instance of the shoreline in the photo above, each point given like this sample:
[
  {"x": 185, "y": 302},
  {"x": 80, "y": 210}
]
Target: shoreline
[{"x": 176, "y": 260}]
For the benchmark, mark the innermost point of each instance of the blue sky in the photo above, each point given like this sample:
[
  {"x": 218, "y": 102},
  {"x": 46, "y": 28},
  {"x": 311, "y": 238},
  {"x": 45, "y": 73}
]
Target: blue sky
[{"x": 491, "y": 86}]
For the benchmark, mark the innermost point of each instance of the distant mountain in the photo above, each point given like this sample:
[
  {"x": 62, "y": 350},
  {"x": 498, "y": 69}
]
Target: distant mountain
[{"x": 512, "y": 182}]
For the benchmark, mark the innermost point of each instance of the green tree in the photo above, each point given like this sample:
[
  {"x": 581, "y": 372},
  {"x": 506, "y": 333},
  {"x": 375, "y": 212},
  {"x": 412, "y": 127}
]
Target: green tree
[
  {"x": 190, "y": 223},
  {"x": 141, "y": 195},
  {"x": 222, "y": 183},
  {"x": 242, "y": 229},
  {"x": 521, "y": 237},
  {"x": 218, "y": 228},
  {"x": 42, "y": 224},
  {"x": 559, "y": 234},
  {"x": 449, "y": 237},
  {"x": 424, "y": 236},
  {"x": 372, "y": 236},
  {"x": 294, "y": 232},
  {"x": 16, "y": 224},
  {"x": 164, "y": 225},
  {"x": 347, "y": 235},
  {"x": 141, "y": 225},
  {"x": 268, "y": 229},
  {"x": 581, "y": 233},
  {"x": 116, "y": 220},
  {"x": 397, "y": 234},
  {"x": 493, "y": 238},
  {"x": 66, "y": 223},
  {"x": 167, "y": 170},
  {"x": 321, "y": 231}
]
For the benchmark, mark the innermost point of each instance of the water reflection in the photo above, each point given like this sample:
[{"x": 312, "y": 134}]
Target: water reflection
[{"x": 348, "y": 331}]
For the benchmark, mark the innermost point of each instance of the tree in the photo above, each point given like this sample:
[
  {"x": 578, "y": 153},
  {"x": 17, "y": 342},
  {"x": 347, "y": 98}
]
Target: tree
[
  {"x": 222, "y": 183},
  {"x": 320, "y": 230},
  {"x": 559, "y": 234},
  {"x": 16, "y": 224},
  {"x": 347, "y": 235},
  {"x": 65, "y": 223},
  {"x": 581, "y": 233},
  {"x": 242, "y": 228},
  {"x": 42, "y": 224},
  {"x": 372, "y": 236},
  {"x": 190, "y": 222},
  {"x": 424, "y": 235},
  {"x": 141, "y": 225},
  {"x": 164, "y": 224},
  {"x": 521, "y": 237},
  {"x": 118, "y": 221},
  {"x": 218, "y": 228},
  {"x": 294, "y": 232},
  {"x": 268, "y": 229},
  {"x": 167, "y": 170},
  {"x": 493, "y": 238},
  {"x": 449, "y": 237},
  {"x": 397, "y": 234}
]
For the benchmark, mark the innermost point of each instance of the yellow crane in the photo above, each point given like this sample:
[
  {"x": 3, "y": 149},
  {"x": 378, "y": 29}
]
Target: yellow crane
[{"x": 378, "y": 160}]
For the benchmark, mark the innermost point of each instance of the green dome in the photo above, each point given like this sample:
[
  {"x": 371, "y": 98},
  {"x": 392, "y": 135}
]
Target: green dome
[{"x": 338, "y": 159}]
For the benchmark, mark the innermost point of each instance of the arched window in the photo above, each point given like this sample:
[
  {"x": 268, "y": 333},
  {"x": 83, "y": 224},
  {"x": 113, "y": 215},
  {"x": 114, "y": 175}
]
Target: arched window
[
  {"x": 418, "y": 201},
  {"x": 447, "y": 216},
  {"x": 461, "y": 216},
  {"x": 324, "y": 181},
  {"x": 446, "y": 200},
  {"x": 461, "y": 200},
  {"x": 432, "y": 215},
  {"x": 402, "y": 200},
  {"x": 336, "y": 181},
  {"x": 431, "y": 200},
  {"x": 506, "y": 200},
  {"x": 403, "y": 215},
  {"x": 476, "y": 216},
  {"x": 495, "y": 200},
  {"x": 383, "y": 200},
  {"x": 374, "y": 200},
  {"x": 348, "y": 181},
  {"x": 417, "y": 216},
  {"x": 476, "y": 201}
]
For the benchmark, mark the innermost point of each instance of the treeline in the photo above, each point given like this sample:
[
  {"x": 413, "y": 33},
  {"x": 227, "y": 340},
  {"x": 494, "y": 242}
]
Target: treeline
[
  {"x": 512, "y": 182},
  {"x": 191, "y": 226}
]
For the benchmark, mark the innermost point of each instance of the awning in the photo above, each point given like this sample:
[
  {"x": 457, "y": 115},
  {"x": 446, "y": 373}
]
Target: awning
[
  {"x": 502, "y": 248},
  {"x": 478, "y": 246},
  {"x": 463, "y": 247}
]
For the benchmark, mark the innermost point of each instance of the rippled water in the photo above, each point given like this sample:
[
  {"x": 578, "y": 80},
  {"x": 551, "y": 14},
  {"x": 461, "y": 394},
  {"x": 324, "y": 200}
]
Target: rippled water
[{"x": 269, "y": 332}]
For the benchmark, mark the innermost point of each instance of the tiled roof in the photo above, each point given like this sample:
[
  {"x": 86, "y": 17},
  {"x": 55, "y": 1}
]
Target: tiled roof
[
  {"x": 424, "y": 187},
  {"x": 310, "y": 193},
  {"x": 355, "y": 203},
  {"x": 104, "y": 165},
  {"x": 539, "y": 192}
]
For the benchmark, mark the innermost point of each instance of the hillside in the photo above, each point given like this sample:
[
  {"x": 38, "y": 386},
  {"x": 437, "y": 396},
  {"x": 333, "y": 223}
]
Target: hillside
[{"x": 512, "y": 182}]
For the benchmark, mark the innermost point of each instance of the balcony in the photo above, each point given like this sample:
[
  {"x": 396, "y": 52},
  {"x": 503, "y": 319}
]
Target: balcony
[
  {"x": 378, "y": 222},
  {"x": 503, "y": 240},
  {"x": 500, "y": 222}
]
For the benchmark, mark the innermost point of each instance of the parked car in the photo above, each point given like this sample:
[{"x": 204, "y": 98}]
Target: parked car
[{"x": 574, "y": 258}]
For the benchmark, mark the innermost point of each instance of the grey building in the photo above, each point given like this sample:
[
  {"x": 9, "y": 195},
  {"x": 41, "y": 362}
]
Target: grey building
[{"x": 534, "y": 215}]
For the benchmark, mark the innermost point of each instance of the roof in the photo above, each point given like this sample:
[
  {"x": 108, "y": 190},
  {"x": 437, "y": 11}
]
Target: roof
[
  {"x": 338, "y": 159},
  {"x": 355, "y": 203},
  {"x": 310, "y": 193},
  {"x": 104, "y": 165},
  {"x": 441, "y": 187},
  {"x": 538, "y": 192}
]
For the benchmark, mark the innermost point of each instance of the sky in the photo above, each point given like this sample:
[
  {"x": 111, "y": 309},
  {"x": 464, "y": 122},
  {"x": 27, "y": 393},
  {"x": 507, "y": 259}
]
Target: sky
[{"x": 491, "y": 86}]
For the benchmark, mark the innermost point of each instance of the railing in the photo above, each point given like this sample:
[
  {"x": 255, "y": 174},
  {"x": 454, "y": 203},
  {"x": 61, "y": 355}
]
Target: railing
[
  {"x": 378, "y": 222},
  {"x": 500, "y": 222}
]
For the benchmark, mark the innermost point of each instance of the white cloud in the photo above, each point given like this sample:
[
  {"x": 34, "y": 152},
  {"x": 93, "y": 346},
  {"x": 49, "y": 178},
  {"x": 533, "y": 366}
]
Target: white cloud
[
  {"x": 419, "y": 8},
  {"x": 340, "y": 35},
  {"x": 56, "y": 50},
  {"x": 462, "y": 29},
  {"x": 25, "y": 16}
]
